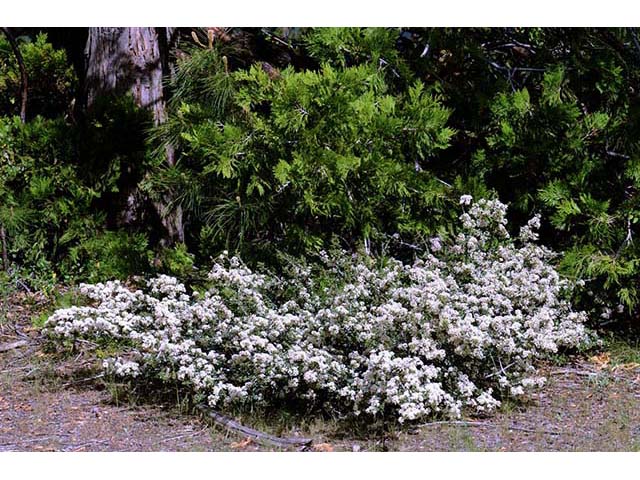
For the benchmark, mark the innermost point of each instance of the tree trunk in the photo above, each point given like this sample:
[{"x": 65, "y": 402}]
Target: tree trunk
[{"x": 134, "y": 60}]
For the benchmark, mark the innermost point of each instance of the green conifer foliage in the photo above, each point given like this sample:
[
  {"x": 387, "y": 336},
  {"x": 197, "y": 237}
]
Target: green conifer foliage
[{"x": 289, "y": 159}]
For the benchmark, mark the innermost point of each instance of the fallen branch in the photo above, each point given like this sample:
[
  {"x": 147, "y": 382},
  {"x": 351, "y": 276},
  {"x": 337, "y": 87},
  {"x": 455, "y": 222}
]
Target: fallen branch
[
  {"x": 83, "y": 380},
  {"x": 20, "y": 333},
  {"x": 251, "y": 433},
  {"x": 461, "y": 423},
  {"x": 5, "y": 347},
  {"x": 24, "y": 286},
  {"x": 28, "y": 352},
  {"x": 39, "y": 438},
  {"x": 9, "y": 370},
  {"x": 572, "y": 371},
  {"x": 76, "y": 448},
  {"x": 27, "y": 376}
]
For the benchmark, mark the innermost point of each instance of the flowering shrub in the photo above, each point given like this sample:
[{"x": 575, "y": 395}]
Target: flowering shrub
[{"x": 461, "y": 327}]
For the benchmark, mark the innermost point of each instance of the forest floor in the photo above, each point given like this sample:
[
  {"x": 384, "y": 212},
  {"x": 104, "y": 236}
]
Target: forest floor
[{"x": 50, "y": 403}]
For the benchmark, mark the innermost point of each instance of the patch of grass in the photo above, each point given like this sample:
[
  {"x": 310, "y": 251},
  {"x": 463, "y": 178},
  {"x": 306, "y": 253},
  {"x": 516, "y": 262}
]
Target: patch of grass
[
  {"x": 6, "y": 291},
  {"x": 43, "y": 376},
  {"x": 119, "y": 393},
  {"x": 600, "y": 381},
  {"x": 623, "y": 419},
  {"x": 510, "y": 405},
  {"x": 108, "y": 349},
  {"x": 39, "y": 320},
  {"x": 286, "y": 423},
  {"x": 461, "y": 439},
  {"x": 623, "y": 350},
  {"x": 559, "y": 359}
]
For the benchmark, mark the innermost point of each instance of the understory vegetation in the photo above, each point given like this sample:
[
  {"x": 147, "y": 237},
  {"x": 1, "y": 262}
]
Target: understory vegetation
[
  {"x": 459, "y": 328},
  {"x": 402, "y": 152}
]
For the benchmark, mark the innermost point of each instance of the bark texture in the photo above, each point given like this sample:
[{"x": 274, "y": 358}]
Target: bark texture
[
  {"x": 126, "y": 59},
  {"x": 134, "y": 60}
]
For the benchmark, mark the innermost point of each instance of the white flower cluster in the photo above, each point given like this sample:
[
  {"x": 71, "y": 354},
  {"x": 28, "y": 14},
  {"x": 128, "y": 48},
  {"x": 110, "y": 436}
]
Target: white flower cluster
[{"x": 459, "y": 328}]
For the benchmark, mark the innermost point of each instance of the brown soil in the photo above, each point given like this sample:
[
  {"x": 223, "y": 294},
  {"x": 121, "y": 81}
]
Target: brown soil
[{"x": 53, "y": 404}]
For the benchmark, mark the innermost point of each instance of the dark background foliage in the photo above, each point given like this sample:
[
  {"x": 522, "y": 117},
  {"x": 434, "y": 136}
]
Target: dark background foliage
[{"x": 289, "y": 140}]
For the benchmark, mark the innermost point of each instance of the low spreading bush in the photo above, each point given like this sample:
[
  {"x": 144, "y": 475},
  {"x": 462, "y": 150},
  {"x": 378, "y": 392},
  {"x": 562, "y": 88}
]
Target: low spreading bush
[{"x": 460, "y": 328}]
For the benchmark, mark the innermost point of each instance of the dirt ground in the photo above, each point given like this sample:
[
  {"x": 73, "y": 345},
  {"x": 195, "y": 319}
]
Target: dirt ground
[{"x": 49, "y": 404}]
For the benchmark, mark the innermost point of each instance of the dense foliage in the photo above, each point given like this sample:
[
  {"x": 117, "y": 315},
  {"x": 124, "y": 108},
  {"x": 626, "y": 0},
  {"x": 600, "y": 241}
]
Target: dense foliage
[
  {"x": 287, "y": 160},
  {"x": 458, "y": 328},
  {"x": 51, "y": 79},
  {"x": 548, "y": 119},
  {"x": 290, "y": 140}
]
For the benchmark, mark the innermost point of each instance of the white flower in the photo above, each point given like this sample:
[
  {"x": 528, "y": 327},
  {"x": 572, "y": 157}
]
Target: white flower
[
  {"x": 436, "y": 244},
  {"x": 466, "y": 200},
  {"x": 435, "y": 336}
]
